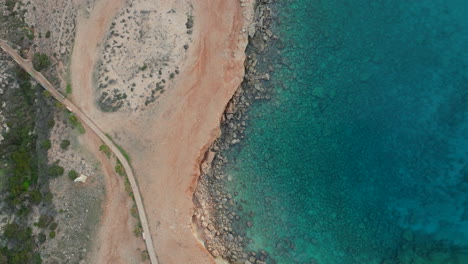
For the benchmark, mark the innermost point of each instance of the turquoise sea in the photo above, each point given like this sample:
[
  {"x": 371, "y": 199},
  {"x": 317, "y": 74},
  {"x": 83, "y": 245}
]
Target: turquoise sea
[{"x": 361, "y": 154}]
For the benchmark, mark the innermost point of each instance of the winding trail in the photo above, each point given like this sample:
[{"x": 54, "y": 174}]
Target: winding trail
[{"x": 27, "y": 66}]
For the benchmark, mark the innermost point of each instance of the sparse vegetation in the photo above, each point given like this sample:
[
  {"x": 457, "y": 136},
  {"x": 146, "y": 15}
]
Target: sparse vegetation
[
  {"x": 134, "y": 212},
  {"x": 106, "y": 150},
  {"x": 47, "y": 35},
  {"x": 119, "y": 168},
  {"x": 124, "y": 153},
  {"x": 138, "y": 230},
  {"x": 41, "y": 61},
  {"x": 75, "y": 122},
  {"x": 144, "y": 255}
]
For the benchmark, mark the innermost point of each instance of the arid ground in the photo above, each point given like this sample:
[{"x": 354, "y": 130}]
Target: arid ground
[{"x": 167, "y": 138}]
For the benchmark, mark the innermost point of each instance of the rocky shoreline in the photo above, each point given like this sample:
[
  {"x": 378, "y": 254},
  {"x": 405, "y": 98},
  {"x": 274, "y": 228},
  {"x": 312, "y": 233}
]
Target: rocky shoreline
[{"x": 216, "y": 212}]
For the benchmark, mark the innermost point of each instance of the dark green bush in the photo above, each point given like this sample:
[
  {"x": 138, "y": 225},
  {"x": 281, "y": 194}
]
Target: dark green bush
[
  {"x": 72, "y": 175},
  {"x": 64, "y": 144},
  {"x": 55, "y": 171},
  {"x": 42, "y": 238}
]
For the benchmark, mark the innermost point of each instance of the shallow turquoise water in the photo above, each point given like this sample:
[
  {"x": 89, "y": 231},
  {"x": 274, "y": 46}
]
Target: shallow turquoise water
[{"x": 361, "y": 155}]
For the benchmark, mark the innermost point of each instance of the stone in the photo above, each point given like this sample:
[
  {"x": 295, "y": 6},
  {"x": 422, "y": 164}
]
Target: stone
[{"x": 211, "y": 227}]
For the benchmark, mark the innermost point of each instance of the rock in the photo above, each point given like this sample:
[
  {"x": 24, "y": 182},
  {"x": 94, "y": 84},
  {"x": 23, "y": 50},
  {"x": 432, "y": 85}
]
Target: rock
[
  {"x": 215, "y": 253},
  {"x": 249, "y": 224},
  {"x": 81, "y": 179},
  {"x": 211, "y": 227},
  {"x": 247, "y": 262}
]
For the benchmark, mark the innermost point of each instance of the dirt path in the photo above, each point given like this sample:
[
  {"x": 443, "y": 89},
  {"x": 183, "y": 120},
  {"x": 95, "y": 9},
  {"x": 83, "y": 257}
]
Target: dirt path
[{"x": 90, "y": 125}]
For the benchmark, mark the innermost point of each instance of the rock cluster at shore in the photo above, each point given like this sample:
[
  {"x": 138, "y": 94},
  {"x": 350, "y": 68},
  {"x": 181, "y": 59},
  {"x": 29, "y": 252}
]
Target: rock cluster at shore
[{"x": 216, "y": 213}]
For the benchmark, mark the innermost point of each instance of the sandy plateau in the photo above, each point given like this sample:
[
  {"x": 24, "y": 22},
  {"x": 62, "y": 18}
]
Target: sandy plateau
[{"x": 166, "y": 134}]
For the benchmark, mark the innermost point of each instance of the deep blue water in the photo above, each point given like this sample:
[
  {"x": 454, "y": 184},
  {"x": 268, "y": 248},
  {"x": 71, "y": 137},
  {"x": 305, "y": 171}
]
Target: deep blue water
[{"x": 361, "y": 155}]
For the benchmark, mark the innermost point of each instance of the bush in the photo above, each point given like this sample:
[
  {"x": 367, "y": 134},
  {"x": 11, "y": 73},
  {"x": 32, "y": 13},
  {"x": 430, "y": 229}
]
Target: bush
[
  {"x": 55, "y": 171},
  {"x": 41, "y": 61},
  {"x": 11, "y": 230},
  {"x": 53, "y": 226},
  {"x": 119, "y": 168},
  {"x": 69, "y": 89},
  {"x": 42, "y": 238},
  {"x": 189, "y": 23},
  {"x": 72, "y": 175},
  {"x": 35, "y": 196},
  {"x": 52, "y": 234},
  {"x": 44, "y": 221},
  {"x": 46, "y": 144},
  {"x": 105, "y": 149},
  {"x": 50, "y": 123},
  {"x": 47, "y": 34},
  {"x": 64, "y": 144}
]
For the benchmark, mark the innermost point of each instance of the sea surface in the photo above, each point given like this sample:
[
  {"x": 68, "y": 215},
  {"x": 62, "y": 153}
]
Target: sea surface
[{"x": 360, "y": 157}]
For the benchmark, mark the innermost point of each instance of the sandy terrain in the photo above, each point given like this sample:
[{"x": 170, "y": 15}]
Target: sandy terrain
[
  {"x": 168, "y": 140},
  {"x": 144, "y": 47}
]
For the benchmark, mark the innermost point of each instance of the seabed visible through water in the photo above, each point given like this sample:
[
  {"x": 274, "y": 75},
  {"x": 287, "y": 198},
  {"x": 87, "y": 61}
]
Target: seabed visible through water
[{"x": 361, "y": 155}]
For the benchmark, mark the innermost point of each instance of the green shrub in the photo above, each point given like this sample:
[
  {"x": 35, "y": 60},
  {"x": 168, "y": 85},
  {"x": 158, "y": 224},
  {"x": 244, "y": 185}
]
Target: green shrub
[
  {"x": 46, "y": 144},
  {"x": 52, "y": 234},
  {"x": 72, "y": 175},
  {"x": 69, "y": 89},
  {"x": 119, "y": 168},
  {"x": 35, "y": 196},
  {"x": 47, "y": 34},
  {"x": 41, "y": 61},
  {"x": 75, "y": 122},
  {"x": 138, "y": 230},
  {"x": 105, "y": 149},
  {"x": 64, "y": 144},
  {"x": 55, "y": 171}
]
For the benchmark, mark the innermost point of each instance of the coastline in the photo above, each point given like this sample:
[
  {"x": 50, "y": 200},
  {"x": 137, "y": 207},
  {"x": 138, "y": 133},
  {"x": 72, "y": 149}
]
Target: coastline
[
  {"x": 215, "y": 220},
  {"x": 186, "y": 118}
]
